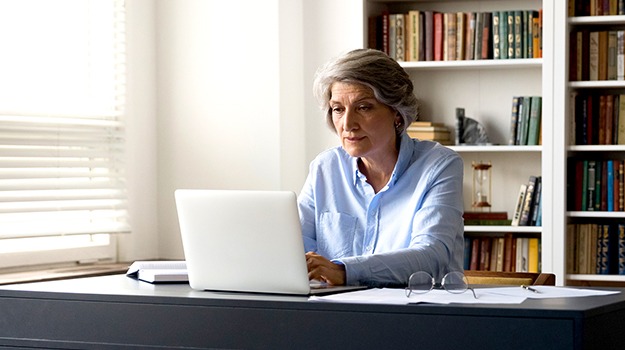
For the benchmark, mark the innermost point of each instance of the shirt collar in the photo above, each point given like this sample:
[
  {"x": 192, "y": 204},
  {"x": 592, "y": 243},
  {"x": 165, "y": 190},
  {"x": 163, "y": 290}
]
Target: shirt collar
[{"x": 403, "y": 160}]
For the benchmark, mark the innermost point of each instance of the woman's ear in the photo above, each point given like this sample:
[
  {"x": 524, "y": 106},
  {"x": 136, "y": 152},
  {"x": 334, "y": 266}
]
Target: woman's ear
[{"x": 398, "y": 121}]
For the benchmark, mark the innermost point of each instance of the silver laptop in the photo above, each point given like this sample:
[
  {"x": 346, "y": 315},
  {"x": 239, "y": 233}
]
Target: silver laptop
[{"x": 244, "y": 241}]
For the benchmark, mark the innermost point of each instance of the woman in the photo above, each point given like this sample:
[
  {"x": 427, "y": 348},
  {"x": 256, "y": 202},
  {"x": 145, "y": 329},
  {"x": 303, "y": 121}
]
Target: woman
[{"x": 382, "y": 205}]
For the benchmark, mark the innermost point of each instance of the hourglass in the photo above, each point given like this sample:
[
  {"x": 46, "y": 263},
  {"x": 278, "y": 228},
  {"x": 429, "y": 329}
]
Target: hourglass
[{"x": 481, "y": 185}]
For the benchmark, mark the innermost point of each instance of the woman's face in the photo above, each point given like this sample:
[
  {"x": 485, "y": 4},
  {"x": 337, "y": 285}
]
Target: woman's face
[{"x": 365, "y": 126}]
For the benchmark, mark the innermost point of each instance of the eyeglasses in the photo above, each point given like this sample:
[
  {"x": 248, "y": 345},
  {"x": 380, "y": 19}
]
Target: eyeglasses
[{"x": 454, "y": 282}]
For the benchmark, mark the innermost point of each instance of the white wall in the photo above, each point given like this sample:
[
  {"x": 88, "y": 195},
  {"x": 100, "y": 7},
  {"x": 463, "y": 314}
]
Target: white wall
[
  {"x": 331, "y": 27},
  {"x": 220, "y": 97},
  {"x": 141, "y": 131},
  {"x": 225, "y": 101}
]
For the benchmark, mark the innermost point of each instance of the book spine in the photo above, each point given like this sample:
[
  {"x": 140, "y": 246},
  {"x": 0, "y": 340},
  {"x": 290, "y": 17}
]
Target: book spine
[
  {"x": 451, "y": 36},
  {"x": 621, "y": 249},
  {"x": 535, "y": 35},
  {"x": 514, "y": 119},
  {"x": 496, "y": 35},
  {"x": 603, "y": 262},
  {"x": 503, "y": 34},
  {"x": 620, "y": 55},
  {"x": 392, "y": 36},
  {"x": 523, "y": 125},
  {"x": 536, "y": 208},
  {"x": 527, "y": 34},
  {"x": 400, "y": 27},
  {"x": 461, "y": 25},
  {"x": 421, "y": 37},
  {"x": 612, "y": 55},
  {"x": 511, "y": 34},
  {"x": 429, "y": 35},
  {"x": 534, "y": 121},
  {"x": 477, "y": 35},
  {"x": 518, "y": 34},
  {"x": 603, "y": 55},
  {"x": 621, "y": 186},
  {"x": 487, "y": 42},
  {"x": 459, "y": 126},
  {"x": 467, "y": 253},
  {"x": 594, "y": 56},
  {"x": 528, "y": 202},
  {"x": 469, "y": 36},
  {"x": 410, "y": 36},
  {"x": 590, "y": 205},
  {"x": 533, "y": 258},
  {"x": 385, "y": 32},
  {"x": 584, "y": 190},
  {"x": 519, "y": 205},
  {"x": 475, "y": 253},
  {"x": 438, "y": 36},
  {"x": 609, "y": 186}
]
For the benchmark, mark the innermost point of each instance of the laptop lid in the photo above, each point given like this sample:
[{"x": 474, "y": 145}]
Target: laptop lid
[{"x": 245, "y": 241}]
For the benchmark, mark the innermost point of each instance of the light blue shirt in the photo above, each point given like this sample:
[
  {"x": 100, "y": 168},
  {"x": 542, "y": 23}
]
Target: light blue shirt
[{"x": 413, "y": 224}]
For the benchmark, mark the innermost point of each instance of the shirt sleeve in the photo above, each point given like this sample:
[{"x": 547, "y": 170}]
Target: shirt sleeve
[{"x": 306, "y": 206}]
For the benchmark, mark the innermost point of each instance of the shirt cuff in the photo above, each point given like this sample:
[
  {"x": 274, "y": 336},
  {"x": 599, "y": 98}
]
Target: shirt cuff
[{"x": 354, "y": 272}]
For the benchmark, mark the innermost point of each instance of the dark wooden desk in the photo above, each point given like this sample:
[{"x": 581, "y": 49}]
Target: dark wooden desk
[{"x": 113, "y": 312}]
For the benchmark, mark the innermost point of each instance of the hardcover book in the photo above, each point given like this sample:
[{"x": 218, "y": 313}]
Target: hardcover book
[
  {"x": 514, "y": 118},
  {"x": 159, "y": 271},
  {"x": 518, "y": 209},
  {"x": 496, "y": 36},
  {"x": 534, "y": 121},
  {"x": 438, "y": 36},
  {"x": 528, "y": 202}
]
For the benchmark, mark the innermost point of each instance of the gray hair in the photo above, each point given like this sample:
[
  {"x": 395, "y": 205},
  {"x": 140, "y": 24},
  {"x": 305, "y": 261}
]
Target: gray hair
[{"x": 390, "y": 83}]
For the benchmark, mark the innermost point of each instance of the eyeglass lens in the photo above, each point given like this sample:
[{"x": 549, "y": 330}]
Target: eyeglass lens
[
  {"x": 455, "y": 282},
  {"x": 420, "y": 282}
]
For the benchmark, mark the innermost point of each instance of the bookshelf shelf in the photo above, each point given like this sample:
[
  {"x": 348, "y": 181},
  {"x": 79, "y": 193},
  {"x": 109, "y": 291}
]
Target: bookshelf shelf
[
  {"x": 495, "y": 148},
  {"x": 475, "y": 64},
  {"x": 596, "y": 278},
  {"x": 596, "y": 20},
  {"x": 599, "y": 84},
  {"x": 514, "y": 229},
  {"x": 596, "y": 214},
  {"x": 597, "y": 148}
]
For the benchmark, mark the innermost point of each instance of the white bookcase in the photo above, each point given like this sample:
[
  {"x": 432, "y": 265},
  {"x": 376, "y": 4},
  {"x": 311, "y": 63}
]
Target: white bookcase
[
  {"x": 564, "y": 147},
  {"x": 484, "y": 88}
]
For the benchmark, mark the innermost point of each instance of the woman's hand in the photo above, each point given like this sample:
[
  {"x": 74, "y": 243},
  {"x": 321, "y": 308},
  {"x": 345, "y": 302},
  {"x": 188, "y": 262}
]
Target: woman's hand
[{"x": 322, "y": 269}]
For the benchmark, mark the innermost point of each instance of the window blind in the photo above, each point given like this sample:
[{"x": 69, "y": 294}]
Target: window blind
[{"x": 61, "y": 118}]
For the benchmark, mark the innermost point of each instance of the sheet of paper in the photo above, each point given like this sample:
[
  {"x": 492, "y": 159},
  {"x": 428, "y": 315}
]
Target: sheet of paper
[
  {"x": 545, "y": 292},
  {"x": 398, "y": 296}
]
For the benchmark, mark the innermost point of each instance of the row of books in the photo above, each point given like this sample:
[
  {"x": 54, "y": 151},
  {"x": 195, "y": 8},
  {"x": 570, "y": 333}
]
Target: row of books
[
  {"x": 598, "y": 119},
  {"x": 506, "y": 253},
  {"x": 449, "y": 36},
  {"x": 424, "y": 130},
  {"x": 525, "y": 120},
  {"x": 528, "y": 208},
  {"x": 597, "y": 55},
  {"x": 487, "y": 218},
  {"x": 596, "y": 7},
  {"x": 596, "y": 249},
  {"x": 596, "y": 185}
]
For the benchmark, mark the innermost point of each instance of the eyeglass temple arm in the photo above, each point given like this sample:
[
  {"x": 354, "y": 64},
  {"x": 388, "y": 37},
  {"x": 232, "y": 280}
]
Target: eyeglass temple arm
[{"x": 473, "y": 291}]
